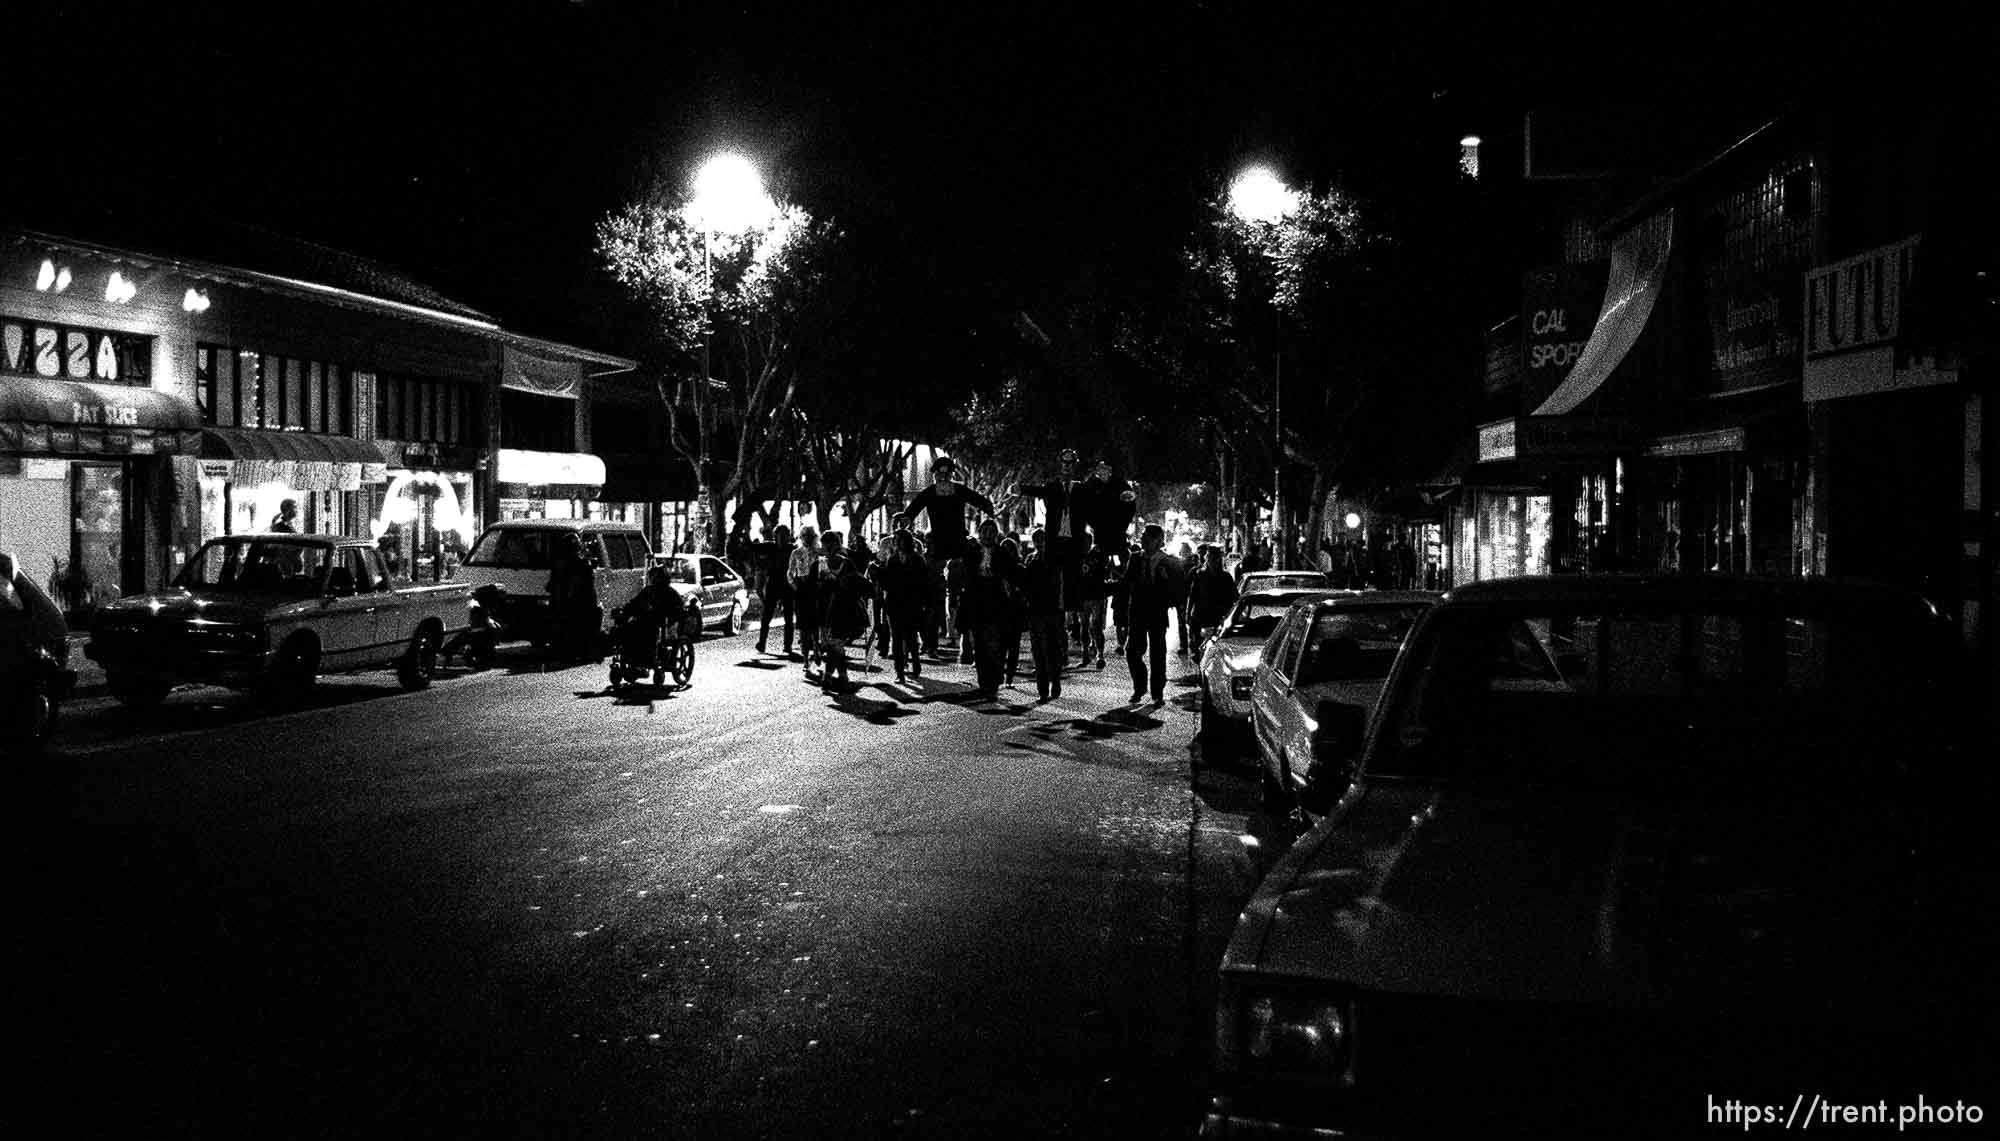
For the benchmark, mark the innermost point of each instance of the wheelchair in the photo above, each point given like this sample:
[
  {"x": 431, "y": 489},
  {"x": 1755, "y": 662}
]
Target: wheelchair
[{"x": 643, "y": 644}]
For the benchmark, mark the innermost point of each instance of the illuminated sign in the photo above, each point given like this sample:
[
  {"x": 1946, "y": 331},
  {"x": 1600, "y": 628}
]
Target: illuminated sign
[
  {"x": 67, "y": 352},
  {"x": 1858, "y": 302}
]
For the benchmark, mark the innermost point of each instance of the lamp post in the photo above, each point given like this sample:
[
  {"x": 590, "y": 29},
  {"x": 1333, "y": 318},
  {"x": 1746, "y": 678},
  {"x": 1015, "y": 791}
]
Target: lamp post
[
  {"x": 729, "y": 198},
  {"x": 1259, "y": 197}
]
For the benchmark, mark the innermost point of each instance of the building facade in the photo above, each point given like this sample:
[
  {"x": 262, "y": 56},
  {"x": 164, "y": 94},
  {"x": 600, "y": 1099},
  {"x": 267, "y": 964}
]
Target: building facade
[{"x": 149, "y": 401}]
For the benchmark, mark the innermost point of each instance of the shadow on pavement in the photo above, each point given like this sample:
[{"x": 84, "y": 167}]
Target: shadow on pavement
[{"x": 870, "y": 710}]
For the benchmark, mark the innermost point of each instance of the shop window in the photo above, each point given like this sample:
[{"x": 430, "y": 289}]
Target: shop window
[
  {"x": 243, "y": 388},
  {"x": 426, "y": 411}
]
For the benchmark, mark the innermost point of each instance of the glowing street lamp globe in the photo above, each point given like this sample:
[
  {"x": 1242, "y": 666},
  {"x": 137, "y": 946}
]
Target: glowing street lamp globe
[
  {"x": 729, "y": 196},
  {"x": 1259, "y": 195}
]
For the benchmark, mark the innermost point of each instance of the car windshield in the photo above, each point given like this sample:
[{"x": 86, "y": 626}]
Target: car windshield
[
  {"x": 681, "y": 571},
  {"x": 1255, "y": 617},
  {"x": 1651, "y": 698},
  {"x": 513, "y": 548},
  {"x": 1355, "y": 644},
  {"x": 263, "y": 565}
]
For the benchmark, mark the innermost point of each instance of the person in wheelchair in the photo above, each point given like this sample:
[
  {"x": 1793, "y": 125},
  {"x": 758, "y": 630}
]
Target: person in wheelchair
[{"x": 657, "y": 610}]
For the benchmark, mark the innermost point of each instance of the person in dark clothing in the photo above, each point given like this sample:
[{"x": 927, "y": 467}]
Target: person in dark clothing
[
  {"x": 773, "y": 560},
  {"x": 288, "y": 517},
  {"x": 1043, "y": 591},
  {"x": 1064, "y": 499},
  {"x": 1107, "y": 504},
  {"x": 1210, "y": 595},
  {"x": 1254, "y": 560},
  {"x": 1121, "y": 602},
  {"x": 843, "y": 597},
  {"x": 1015, "y": 617},
  {"x": 1153, "y": 587},
  {"x": 573, "y": 605},
  {"x": 990, "y": 584},
  {"x": 944, "y": 502},
  {"x": 903, "y": 589},
  {"x": 1099, "y": 574}
]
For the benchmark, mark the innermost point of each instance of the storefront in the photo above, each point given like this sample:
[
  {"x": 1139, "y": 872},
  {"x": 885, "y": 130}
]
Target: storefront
[
  {"x": 426, "y": 516},
  {"x": 89, "y": 503},
  {"x": 1896, "y": 445}
]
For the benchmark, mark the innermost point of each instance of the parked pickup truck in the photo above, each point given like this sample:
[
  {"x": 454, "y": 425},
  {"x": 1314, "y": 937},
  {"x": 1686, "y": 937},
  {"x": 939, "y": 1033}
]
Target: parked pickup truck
[{"x": 271, "y": 613}]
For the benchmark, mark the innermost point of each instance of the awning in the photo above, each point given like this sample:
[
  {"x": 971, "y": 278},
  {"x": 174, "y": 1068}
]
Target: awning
[
  {"x": 74, "y": 417},
  {"x": 305, "y": 447},
  {"x": 306, "y": 461},
  {"x": 549, "y": 475},
  {"x": 526, "y": 372},
  {"x": 1638, "y": 265}
]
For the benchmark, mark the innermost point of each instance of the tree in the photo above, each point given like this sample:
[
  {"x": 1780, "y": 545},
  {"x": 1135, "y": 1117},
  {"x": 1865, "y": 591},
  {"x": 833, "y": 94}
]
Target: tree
[{"x": 760, "y": 301}]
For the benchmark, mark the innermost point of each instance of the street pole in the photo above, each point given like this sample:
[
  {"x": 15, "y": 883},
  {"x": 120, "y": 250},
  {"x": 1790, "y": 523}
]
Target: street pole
[
  {"x": 702, "y": 521},
  {"x": 1278, "y": 441}
]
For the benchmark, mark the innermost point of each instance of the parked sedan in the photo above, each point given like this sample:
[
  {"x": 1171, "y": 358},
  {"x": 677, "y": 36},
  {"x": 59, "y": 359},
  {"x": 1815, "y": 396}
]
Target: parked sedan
[
  {"x": 1324, "y": 649},
  {"x": 1613, "y": 844},
  {"x": 1229, "y": 660},
  {"x": 706, "y": 581}
]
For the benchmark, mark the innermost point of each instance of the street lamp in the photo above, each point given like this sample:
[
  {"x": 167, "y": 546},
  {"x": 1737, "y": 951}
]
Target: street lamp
[
  {"x": 728, "y": 198},
  {"x": 1259, "y": 196}
]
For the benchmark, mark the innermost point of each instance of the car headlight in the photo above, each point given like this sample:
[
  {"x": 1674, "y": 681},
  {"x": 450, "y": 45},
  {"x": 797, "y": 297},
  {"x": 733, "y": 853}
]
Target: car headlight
[
  {"x": 1241, "y": 685},
  {"x": 1305, "y": 1034}
]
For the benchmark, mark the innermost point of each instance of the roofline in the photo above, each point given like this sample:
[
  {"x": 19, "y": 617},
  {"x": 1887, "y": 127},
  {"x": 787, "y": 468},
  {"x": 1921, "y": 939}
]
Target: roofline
[
  {"x": 257, "y": 279},
  {"x": 1652, "y": 198},
  {"x": 522, "y": 340}
]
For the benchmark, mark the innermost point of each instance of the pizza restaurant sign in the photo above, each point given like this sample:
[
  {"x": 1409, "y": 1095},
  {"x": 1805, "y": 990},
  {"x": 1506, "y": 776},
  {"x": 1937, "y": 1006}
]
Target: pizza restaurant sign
[{"x": 67, "y": 352}]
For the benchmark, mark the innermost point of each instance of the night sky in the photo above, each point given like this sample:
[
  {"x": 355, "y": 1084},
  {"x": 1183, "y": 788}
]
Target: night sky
[{"x": 988, "y": 156}]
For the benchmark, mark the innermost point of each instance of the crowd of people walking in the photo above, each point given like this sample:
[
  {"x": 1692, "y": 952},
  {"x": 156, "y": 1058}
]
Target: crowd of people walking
[{"x": 962, "y": 590}]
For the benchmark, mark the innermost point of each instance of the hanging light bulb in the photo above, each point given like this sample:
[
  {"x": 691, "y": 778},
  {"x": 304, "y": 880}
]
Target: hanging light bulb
[{"x": 46, "y": 276}]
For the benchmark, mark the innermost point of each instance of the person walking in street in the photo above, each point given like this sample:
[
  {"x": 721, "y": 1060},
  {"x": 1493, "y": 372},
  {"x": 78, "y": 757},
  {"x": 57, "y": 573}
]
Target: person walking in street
[
  {"x": 1043, "y": 591},
  {"x": 573, "y": 602},
  {"x": 1153, "y": 587},
  {"x": 843, "y": 596},
  {"x": 802, "y": 569},
  {"x": 1015, "y": 617},
  {"x": 1184, "y": 557},
  {"x": 1121, "y": 603},
  {"x": 904, "y": 586},
  {"x": 1210, "y": 595},
  {"x": 944, "y": 503},
  {"x": 1064, "y": 500},
  {"x": 991, "y": 574},
  {"x": 774, "y": 559},
  {"x": 1099, "y": 573}
]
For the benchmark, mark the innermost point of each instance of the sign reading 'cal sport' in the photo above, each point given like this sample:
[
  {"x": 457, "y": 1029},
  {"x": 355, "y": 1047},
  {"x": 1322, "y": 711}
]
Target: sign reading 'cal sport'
[{"x": 66, "y": 352}]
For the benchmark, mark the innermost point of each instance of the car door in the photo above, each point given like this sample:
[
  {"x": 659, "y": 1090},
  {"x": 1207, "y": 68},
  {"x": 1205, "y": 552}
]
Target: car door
[
  {"x": 345, "y": 624},
  {"x": 1265, "y": 691},
  {"x": 718, "y": 589}
]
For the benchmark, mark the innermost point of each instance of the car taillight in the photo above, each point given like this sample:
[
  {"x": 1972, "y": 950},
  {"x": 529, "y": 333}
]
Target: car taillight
[{"x": 1239, "y": 687}]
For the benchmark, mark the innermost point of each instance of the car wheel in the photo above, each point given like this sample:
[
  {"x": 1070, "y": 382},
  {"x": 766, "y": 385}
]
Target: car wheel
[
  {"x": 293, "y": 674},
  {"x": 733, "y": 623},
  {"x": 138, "y": 693},
  {"x": 418, "y": 665},
  {"x": 684, "y": 663}
]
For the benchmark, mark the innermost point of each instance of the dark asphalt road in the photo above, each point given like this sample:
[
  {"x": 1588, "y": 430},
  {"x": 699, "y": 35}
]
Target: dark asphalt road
[{"x": 513, "y": 905}]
